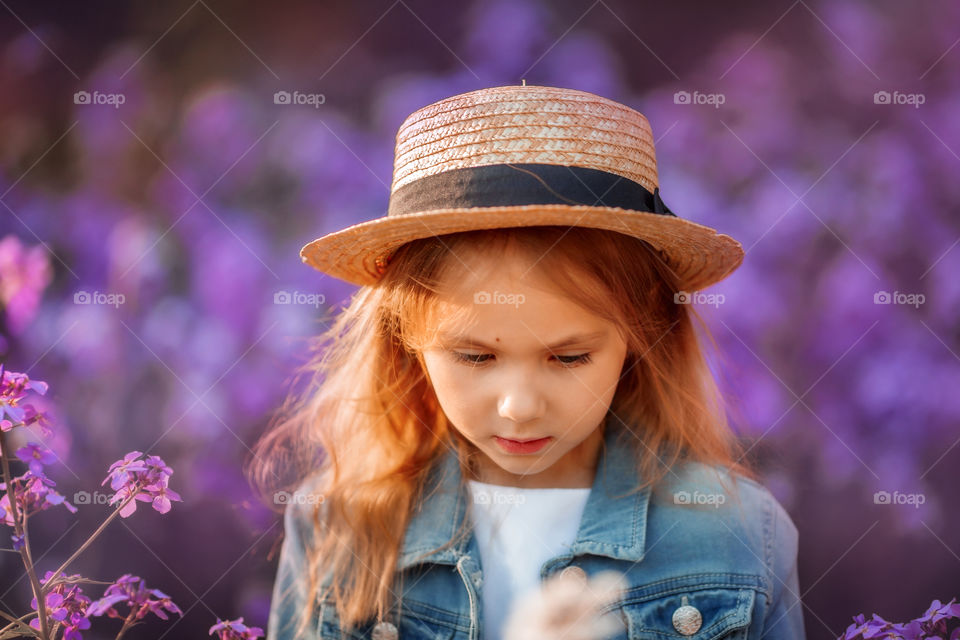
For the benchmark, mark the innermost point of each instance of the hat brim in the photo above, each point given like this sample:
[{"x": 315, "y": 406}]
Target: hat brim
[{"x": 699, "y": 255}]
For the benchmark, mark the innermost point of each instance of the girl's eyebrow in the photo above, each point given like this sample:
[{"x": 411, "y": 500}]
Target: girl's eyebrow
[{"x": 578, "y": 339}]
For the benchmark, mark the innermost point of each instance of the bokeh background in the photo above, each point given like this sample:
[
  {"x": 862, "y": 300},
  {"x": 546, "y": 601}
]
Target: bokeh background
[{"x": 192, "y": 198}]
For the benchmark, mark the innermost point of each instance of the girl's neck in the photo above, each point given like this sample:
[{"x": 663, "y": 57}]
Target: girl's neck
[{"x": 527, "y": 486}]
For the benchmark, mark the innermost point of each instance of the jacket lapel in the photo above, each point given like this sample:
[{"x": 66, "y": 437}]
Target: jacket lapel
[{"x": 614, "y": 524}]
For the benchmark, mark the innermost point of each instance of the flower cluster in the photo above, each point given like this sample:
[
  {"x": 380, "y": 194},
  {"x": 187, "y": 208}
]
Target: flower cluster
[
  {"x": 235, "y": 630},
  {"x": 36, "y": 456},
  {"x": 146, "y": 480},
  {"x": 66, "y": 605},
  {"x": 62, "y": 606},
  {"x": 931, "y": 625},
  {"x": 34, "y": 492},
  {"x": 13, "y": 389},
  {"x": 132, "y": 592}
]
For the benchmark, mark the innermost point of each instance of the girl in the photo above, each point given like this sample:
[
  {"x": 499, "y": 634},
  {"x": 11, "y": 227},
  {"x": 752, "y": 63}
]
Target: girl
[{"x": 518, "y": 391}]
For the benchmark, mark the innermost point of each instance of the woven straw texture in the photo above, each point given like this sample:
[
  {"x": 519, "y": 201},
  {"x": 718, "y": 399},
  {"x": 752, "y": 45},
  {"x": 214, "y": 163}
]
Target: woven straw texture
[{"x": 525, "y": 124}]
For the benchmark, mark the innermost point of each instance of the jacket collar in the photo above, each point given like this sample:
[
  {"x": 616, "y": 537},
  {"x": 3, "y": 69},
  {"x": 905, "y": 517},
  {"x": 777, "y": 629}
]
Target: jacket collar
[{"x": 613, "y": 524}]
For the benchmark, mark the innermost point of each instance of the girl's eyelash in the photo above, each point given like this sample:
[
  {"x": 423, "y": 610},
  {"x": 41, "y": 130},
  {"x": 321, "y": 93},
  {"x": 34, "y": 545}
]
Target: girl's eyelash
[{"x": 473, "y": 359}]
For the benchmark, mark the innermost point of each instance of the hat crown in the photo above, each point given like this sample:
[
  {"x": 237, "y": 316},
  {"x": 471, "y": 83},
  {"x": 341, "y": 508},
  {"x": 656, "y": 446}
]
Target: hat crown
[{"x": 525, "y": 124}]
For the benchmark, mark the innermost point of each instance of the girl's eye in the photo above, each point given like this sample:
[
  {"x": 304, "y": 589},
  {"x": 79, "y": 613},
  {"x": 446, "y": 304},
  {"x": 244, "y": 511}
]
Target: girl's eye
[
  {"x": 477, "y": 359},
  {"x": 471, "y": 358}
]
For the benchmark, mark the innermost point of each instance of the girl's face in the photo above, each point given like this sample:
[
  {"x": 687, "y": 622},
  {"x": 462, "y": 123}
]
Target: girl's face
[{"x": 529, "y": 365}]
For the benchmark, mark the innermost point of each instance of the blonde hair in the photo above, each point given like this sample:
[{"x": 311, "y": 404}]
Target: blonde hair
[{"x": 368, "y": 425}]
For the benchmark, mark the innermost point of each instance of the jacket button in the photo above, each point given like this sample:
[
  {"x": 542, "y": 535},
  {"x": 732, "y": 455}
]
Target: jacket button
[
  {"x": 687, "y": 618},
  {"x": 385, "y": 631},
  {"x": 573, "y": 571}
]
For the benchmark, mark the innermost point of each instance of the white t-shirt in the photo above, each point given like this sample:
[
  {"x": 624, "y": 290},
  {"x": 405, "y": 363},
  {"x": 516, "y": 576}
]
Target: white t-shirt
[{"x": 517, "y": 530}]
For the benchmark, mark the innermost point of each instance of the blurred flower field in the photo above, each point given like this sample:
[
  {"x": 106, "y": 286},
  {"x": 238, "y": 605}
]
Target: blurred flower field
[{"x": 155, "y": 192}]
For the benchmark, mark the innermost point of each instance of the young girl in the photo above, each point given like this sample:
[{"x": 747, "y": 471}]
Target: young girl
[{"x": 518, "y": 391}]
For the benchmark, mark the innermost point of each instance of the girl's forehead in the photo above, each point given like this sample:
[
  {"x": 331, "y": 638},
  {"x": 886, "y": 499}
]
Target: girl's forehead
[
  {"x": 515, "y": 308},
  {"x": 501, "y": 288},
  {"x": 466, "y": 264},
  {"x": 494, "y": 291},
  {"x": 466, "y": 272}
]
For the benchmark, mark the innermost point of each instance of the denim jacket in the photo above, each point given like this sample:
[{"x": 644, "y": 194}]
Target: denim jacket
[{"x": 689, "y": 544}]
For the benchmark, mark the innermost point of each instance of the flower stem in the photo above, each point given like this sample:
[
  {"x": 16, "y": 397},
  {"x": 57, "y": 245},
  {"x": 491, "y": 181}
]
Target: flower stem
[
  {"x": 128, "y": 623},
  {"x": 123, "y": 630},
  {"x": 19, "y": 529},
  {"x": 17, "y": 622},
  {"x": 93, "y": 536}
]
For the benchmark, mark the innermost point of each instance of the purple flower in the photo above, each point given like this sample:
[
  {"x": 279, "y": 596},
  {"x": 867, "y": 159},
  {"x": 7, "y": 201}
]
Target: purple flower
[
  {"x": 132, "y": 592},
  {"x": 119, "y": 472},
  {"x": 36, "y": 456},
  {"x": 13, "y": 389},
  {"x": 105, "y": 605},
  {"x": 932, "y": 625},
  {"x": 162, "y": 496},
  {"x": 938, "y": 612},
  {"x": 131, "y": 506},
  {"x": 66, "y": 605},
  {"x": 34, "y": 493},
  {"x": 235, "y": 630},
  {"x": 158, "y": 465},
  {"x": 146, "y": 480},
  {"x": 39, "y": 418}
]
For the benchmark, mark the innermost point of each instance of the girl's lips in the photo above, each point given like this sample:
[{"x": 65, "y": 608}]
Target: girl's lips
[{"x": 524, "y": 447}]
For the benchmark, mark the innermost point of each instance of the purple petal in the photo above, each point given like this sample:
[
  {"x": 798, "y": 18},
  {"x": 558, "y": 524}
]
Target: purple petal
[
  {"x": 128, "y": 509},
  {"x": 39, "y": 386},
  {"x": 161, "y": 504}
]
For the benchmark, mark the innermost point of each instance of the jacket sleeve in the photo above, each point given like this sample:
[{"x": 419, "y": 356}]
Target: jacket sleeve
[
  {"x": 784, "y": 618},
  {"x": 289, "y": 597}
]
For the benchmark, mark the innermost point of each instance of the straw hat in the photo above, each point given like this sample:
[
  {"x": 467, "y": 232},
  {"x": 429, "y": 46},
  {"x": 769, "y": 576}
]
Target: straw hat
[{"x": 525, "y": 156}]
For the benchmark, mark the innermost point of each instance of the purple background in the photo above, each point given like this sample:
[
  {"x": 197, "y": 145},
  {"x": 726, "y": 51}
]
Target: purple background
[{"x": 193, "y": 198}]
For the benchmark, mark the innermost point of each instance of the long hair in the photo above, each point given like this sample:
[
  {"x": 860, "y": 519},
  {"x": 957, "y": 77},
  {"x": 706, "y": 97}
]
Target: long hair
[{"x": 367, "y": 426}]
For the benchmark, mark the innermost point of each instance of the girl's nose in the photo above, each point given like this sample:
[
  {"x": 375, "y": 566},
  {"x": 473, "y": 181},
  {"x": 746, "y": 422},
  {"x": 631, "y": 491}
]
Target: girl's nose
[{"x": 521, "y": 403}]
